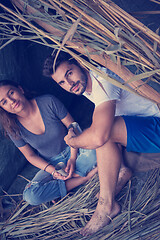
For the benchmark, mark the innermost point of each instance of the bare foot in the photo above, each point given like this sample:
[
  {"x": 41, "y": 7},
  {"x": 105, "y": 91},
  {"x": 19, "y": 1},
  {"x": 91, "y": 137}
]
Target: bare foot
[
  {"x": 100, "y": 218},
  {"x": 124, "y": 175}
]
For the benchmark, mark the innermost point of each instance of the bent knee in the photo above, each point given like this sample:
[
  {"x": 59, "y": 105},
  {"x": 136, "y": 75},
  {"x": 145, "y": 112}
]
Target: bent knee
[
  {"x": 119, "y": 131},
  {"x": 32, "y": 196}
]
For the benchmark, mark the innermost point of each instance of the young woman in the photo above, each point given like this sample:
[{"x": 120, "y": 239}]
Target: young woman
[{"x": 37, "y": 127}]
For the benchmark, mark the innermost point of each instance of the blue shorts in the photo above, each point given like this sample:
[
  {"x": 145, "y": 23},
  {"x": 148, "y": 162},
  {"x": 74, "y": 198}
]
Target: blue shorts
[{"x": 143, "y": 134}]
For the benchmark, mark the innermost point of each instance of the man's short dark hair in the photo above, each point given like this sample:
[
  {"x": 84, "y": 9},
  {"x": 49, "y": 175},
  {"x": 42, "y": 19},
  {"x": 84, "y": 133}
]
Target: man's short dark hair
[{"x": 62, "y": 57}]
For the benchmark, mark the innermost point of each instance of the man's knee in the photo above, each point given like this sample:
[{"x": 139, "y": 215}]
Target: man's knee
[{"x": 119, "y": 131}]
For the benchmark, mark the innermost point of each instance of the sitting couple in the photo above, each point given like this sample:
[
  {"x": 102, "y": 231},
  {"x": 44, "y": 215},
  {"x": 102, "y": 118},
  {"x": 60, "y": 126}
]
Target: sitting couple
[
  {"x": 19, "y": 116},
  {"x": 100, "y": 143}
]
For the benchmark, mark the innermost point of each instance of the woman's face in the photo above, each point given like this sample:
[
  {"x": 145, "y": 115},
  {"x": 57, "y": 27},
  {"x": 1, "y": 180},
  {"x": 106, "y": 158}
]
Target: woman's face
[{"x": 12, "y": 99}]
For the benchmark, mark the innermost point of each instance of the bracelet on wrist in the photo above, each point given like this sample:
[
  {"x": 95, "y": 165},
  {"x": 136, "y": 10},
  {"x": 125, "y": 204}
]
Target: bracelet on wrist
[
  {"x": 53, "y": 173},
  {"x": 46, "y": 167}
]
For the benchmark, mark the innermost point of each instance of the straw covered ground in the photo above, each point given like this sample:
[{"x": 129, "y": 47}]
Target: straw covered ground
[{"x": 139, "y": 218}]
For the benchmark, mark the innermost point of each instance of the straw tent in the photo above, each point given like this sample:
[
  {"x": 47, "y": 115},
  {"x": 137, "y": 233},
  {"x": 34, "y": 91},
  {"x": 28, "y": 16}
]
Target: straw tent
[
  {"x": 107, "y": 36},
  {"x": 102, "y": 31}
]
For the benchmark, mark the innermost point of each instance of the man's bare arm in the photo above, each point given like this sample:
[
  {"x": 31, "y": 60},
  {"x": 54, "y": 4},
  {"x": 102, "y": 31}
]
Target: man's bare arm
[{"x": 99, "y": 132}]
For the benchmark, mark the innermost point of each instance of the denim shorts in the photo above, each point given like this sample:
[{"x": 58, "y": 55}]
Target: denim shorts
[
  {"x": 43, "y": 188},
  {"x": 143, "y": 134}
]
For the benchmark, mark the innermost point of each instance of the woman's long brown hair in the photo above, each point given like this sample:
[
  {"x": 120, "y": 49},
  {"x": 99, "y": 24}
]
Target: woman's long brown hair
[{"x": 8, "y": 120}]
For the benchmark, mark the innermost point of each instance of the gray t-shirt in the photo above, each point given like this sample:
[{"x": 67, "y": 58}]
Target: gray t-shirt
[{"x": 51, "y": 142}]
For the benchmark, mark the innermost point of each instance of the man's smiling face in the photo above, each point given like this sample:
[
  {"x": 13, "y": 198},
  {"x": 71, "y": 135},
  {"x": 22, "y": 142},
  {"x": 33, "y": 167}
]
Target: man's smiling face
[{"x": 71, "y": 78}]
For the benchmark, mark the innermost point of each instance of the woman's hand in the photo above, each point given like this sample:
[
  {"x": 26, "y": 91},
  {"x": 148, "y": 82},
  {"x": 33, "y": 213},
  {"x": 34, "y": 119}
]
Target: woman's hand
[
  {"x": 70, "y": 167},
  {"x": 57, "y": 175}
]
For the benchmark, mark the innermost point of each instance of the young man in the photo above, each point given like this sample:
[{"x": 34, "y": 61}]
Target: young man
[{"x": 107, "y": 130}]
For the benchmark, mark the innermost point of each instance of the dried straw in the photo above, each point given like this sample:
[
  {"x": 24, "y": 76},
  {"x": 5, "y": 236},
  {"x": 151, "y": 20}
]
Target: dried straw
[
  {"x": 100, "y": 30},
  {"x": 139, "y": 217}
]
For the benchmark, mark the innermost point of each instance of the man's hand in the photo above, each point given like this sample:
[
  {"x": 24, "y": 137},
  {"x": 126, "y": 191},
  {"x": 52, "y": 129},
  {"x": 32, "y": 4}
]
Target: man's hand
[
  {"x": 69, "y": 136},
  {"x": 70, "y": 167}
]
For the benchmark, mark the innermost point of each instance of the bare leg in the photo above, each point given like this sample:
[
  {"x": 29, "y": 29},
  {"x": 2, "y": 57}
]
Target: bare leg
[
  {"x": 124, "y": 172},
  {"x": 109, "y": 161},
  {"x": 124, "y": 175},
  {"x": 119, "y": 135},
  {"x": 77, "y": 181}
]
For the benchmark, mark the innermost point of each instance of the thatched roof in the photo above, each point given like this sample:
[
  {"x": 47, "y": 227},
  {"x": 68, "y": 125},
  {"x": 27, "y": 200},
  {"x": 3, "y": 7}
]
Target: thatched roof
[{"x": 101, "y": 30}]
